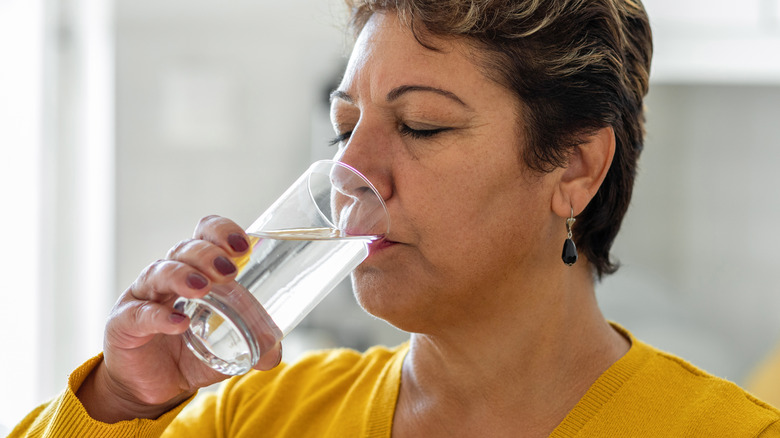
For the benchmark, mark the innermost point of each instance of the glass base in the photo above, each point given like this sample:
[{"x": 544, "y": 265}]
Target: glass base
[
  {"x": 229, "y": 330},
  {"x": 217, "y": 335}
]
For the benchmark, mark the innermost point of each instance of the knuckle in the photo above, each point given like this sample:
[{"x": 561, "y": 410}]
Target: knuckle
[
  {"x": 150, "y": 271},
  {"x": 143, "y": 278},
  {"x": 146, "y": 285},
  {"x": 141, "y": 317},
  {"x": 179, "y": 248},
  {"x": 146, "y": 314},
  {"x": 215, "y": 228},
  {"x": 125, "y": 324},
  {"x": 207, "y": 222},
  {"x": 210, "y": 218},
  {"x": 138, "y": 312}
]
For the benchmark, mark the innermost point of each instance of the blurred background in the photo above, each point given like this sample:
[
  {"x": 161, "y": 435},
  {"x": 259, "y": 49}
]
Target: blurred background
[{"x": 123, "y": 122}]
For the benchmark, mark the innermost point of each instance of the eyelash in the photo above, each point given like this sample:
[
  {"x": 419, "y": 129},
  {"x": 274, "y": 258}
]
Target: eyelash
[
  {"x": 340, "y": 138},
  {"x": 405, "y": 130},
  {"x": 421, "y": 133}
]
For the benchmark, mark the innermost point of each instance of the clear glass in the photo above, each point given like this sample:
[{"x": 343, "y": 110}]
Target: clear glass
[{"x": 307, "y": 242}]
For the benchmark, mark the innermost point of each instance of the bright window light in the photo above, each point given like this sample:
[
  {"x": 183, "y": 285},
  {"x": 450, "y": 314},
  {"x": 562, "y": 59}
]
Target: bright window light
[{"x": 21, "y": 79}]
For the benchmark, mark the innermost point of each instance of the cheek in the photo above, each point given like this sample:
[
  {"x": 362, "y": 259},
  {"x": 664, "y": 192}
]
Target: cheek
[
  {"x": 482, "y": 218},
  {"x": 463, "y": 223},
  {"x": 467, "y": 201}
]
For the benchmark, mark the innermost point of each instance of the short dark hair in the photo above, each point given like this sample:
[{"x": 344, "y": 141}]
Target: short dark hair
[{"x": 576, "y": 66}]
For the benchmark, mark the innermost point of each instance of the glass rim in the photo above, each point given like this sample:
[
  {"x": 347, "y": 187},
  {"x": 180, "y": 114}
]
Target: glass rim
[{"x": 368, "y": 183}]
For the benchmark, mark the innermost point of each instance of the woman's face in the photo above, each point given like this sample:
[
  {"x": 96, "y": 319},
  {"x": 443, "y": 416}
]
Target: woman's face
[{"x": 442, "y": 143}]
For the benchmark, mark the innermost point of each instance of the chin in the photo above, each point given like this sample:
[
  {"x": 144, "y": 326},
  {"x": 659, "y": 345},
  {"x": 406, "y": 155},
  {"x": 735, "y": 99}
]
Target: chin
[
  {"x": 373, "y": 294},
  {"x": 387, "y": 301}
]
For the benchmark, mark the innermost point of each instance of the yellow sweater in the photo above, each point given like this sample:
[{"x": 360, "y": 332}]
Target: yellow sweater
[
  {"x": 764, "y": 381},
  {"x": 342, "y": 393}
]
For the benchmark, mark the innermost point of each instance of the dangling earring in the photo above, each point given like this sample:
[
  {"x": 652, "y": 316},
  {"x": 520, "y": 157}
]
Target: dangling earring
[{"x": 569, "y": 255}]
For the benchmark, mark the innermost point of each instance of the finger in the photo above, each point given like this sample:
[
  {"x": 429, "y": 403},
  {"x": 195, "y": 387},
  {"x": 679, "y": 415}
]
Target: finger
[
  {"x": 135, "y": 322},
  {"x": 224, "y": 233},
  {"x": 206, "y": 257},
  {"x": 270, "y": 359},
  {"x": 166, "y": 279}
]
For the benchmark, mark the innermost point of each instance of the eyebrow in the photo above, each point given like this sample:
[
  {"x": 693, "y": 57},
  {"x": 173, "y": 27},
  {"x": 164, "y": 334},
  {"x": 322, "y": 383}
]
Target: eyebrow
[
  {"x": 338, "y": 94},
  {"x": 397, "y": 92}
]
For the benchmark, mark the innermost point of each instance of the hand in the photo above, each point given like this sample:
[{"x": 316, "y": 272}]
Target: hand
[{"x": 147, "y": 367}]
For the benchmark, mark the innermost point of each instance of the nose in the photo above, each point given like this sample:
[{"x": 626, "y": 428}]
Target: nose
[
  {"x": 367, "y": 152},
  {"x": 357, "y": 207}
]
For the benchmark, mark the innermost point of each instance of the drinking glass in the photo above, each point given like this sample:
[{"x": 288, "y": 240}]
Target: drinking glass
[{"x": 308, "y": 241}]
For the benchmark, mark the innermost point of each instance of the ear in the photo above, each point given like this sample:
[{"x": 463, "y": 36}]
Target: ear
[{"x": 581, "y": 178}]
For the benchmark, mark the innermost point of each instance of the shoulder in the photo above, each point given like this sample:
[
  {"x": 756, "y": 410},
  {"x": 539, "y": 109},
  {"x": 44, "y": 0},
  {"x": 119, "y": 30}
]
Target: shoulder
[
  {"x": 693, "y": 383},
  {"x": 649, "y": 392},
  {"x": 696, "y": 400}
]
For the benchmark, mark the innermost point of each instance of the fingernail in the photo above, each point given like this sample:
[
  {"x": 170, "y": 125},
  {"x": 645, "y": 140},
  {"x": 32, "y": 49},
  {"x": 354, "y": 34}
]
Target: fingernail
[
  {"x": 196, "y": 281},
  {"x": 238, "y": 243},
  {"x": 176, "y": 317},
  {"x": 280, "y": 356},
  {"x": 224, "y": 266}
]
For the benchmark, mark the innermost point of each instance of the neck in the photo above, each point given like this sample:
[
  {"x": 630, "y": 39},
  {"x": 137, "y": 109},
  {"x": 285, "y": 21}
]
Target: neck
[{"x": 506, "y": 366}]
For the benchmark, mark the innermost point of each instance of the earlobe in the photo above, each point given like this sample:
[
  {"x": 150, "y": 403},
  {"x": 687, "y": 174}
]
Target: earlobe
[{"x": 585, "y": 172}]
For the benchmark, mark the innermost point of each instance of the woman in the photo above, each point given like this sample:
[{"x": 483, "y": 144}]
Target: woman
[{"x": 488, "y": 127}]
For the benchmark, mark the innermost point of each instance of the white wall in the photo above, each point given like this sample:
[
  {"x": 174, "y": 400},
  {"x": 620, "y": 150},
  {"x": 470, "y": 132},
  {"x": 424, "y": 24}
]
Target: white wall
[
  {"x": 21, "y": 146},
  {"x": 699, "y": 244}
]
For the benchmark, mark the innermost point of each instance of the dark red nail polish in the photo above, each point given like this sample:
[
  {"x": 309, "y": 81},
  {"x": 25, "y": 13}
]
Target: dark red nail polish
[
  {"x": 176, "y": 317},
  {"x": 224, "y": 266},
  {"x": 238, "y": 243},
  {"x": 196, "y": 281}
]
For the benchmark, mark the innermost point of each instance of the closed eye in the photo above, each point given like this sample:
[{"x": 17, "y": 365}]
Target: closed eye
[
  {"x": 341, "y": 138},
  {"x": 405, "y": 130},
  {"x": 421, "y": 133}
]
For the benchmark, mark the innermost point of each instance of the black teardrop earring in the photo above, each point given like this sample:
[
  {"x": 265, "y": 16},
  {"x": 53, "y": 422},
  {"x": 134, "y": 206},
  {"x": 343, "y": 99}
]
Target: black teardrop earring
[{"x": 569, "y": 255}]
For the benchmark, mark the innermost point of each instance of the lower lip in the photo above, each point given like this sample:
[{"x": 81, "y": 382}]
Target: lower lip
[{"x": 378, "y": 246}]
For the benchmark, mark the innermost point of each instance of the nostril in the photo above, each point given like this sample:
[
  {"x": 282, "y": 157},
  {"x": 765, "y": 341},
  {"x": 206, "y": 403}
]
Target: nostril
[{"x": 346, "y": 181}]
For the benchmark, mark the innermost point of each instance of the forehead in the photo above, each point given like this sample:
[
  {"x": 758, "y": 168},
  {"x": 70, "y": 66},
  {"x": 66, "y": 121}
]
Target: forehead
[{"x": 387, "y": 54}]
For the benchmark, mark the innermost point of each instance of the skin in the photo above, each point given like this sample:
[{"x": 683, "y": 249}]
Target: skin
[{"x": 472, "y": 263}]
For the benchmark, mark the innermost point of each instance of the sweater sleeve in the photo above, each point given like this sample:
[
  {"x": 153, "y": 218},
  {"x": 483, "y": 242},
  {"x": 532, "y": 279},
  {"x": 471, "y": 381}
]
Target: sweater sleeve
[
  {"x": 65, "y": 416},
  {"x": 773, "y": 431}
]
